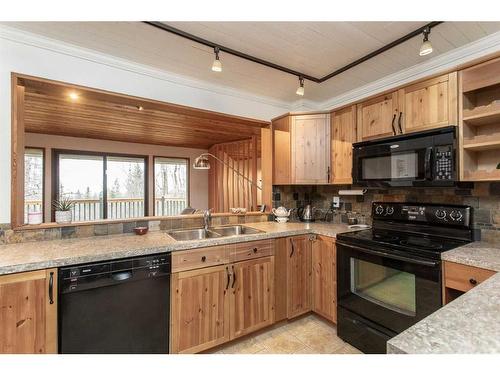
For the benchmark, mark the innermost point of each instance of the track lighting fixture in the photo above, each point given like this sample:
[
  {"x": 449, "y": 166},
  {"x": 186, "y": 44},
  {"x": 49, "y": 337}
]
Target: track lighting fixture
[
  {"x": 217, "y": 65},
  {"x": 300, "y": 89},
  {"x": 426, "y": 46}
]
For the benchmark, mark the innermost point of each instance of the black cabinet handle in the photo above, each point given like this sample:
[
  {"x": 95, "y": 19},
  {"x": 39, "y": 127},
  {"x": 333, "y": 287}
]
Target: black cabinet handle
[
  {"x": 203, "y": 258},
  {"x": 328, "y": 175},
  {"x": 392, "y": 124},
  {"x": 234, "y": 278},
  {"x": 228, "y": 277},
  {"x": 473, "y": 281},
  {"x": 293, "y": 248},
  {"x": 51, "y": 288},
  {"x": 254, "y": 249},
  {"x": 399, "y": 122}
]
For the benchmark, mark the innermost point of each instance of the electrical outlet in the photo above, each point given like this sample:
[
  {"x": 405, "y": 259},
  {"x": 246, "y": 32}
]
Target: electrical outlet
[{"x": 336, "y": 202}]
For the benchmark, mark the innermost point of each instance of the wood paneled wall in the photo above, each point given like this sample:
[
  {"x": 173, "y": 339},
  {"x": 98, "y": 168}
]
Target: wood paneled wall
[{"x": 227, "y": 189}]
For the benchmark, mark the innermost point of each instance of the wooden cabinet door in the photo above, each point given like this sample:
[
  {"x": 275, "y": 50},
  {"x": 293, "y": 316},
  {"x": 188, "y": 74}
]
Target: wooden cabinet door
[
  {"x": 343, "y": 123},
  {"x": 298, "y": 276},
  {"x": 28, "y": 319},
  {"x": 200, "y": 309},
  {"x": 324, "y": 279},
  {"x": 310, "y": 150},
  {"x": 428, "y": 104},
  {"x": 376, "y": 117},
  {"x": 252, "y": 296},
  {"x": 281, "y": 151}
]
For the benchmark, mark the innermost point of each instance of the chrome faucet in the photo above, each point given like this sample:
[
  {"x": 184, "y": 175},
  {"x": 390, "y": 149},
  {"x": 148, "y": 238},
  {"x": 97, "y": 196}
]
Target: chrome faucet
[{"x": 207, "y": 218}]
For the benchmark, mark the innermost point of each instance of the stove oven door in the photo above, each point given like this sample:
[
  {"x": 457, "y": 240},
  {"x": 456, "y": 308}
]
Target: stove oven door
[{"x": 391, "y": 290}]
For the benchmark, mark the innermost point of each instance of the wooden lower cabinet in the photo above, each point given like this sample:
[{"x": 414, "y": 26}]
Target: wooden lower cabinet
[
  {"x": 324, "y": 279},
  {"x": 213, "y": 305},
  {"x": 460, "y": 278},
  {"x": 200, "y": 309},
  {"x": 28, "y": 312},
  {"x": 298, "y": 276},
  {"x": 252, "y": 296}
]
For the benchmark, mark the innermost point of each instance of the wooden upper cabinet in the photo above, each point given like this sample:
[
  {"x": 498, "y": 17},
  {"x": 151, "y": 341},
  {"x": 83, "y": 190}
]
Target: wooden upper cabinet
[
  {"x": 281, "y": 151},
  {"x": 311, "y": 149},
  {"x": 252, "y": 297},
  {"x": 28, "y": 319},
  {"x": 376, "y": 118},
  {"x": 324, "y": 279},
  {"x": 298, "y": 276},
  {"x": 428, "y": 104},
  {"x": 343, "y": 132},
  {"x": 200, "y": 309}
]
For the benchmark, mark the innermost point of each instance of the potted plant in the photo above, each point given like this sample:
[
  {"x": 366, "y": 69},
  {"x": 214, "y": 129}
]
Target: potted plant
[{"x": 62, "y": 208}]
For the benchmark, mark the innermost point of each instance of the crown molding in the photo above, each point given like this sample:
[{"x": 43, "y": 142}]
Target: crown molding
[
  {"x": 446, "y": 61},
  {"x": 53, "y": 45}
]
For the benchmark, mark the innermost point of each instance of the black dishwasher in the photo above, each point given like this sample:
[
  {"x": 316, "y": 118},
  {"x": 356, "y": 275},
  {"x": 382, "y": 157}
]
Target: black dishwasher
[{"x": 119, "y": 306}]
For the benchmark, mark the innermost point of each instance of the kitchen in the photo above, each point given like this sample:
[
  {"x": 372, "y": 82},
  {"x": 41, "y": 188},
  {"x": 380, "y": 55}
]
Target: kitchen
[{"x": 365, "y": 223}]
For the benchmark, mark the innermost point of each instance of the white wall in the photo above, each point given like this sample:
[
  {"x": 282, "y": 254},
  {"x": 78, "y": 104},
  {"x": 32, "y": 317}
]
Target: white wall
[{"x": 24, "y": 53}]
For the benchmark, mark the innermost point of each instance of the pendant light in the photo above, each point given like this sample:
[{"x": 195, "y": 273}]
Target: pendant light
[
  {"x": 300, "y": 89},
  {"x": 217, "y": 65},
  {"x": 426, "y": 47}
]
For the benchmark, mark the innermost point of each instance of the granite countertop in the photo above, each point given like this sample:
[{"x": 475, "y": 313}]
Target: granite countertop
[
  {"x": 468, "y": 324},
  {"x": 31, "y": 256}
]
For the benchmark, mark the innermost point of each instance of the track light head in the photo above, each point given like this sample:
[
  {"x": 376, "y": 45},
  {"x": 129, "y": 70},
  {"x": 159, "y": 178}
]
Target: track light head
[
  {"x": 300, "y": 89},
  {"x": 217, "y": 65},
  {"x": 426, "y": 47}
]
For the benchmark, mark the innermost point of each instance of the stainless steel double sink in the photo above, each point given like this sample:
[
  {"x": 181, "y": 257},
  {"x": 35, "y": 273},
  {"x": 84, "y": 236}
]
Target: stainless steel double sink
[{"x": 216, "y": 232}]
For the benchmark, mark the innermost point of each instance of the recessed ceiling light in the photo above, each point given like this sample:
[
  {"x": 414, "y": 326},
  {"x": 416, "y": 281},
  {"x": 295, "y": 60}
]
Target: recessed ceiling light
[{"x": 73, "y": 95}]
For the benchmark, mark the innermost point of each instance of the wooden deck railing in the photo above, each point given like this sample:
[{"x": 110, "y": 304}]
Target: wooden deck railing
[{"x": 118, "y": 208}]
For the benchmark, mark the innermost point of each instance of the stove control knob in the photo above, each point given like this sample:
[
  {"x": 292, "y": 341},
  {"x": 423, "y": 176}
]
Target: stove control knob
[
  {"x": 379, "y": 210},
  {"x": 456, "y": 215},
  {"x": 389, "y": 210},
  {"x": 440, "y": 214}
]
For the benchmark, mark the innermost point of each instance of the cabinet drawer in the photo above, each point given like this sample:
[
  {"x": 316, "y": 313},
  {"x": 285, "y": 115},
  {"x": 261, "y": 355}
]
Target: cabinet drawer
[
  {"x": 251, "y": 250},
  {"x": 185, "y": 260},
  {"x": 462, "y": 277}
]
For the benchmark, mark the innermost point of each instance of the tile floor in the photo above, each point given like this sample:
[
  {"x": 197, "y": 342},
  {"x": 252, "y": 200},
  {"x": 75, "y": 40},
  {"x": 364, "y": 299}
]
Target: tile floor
[{"x": 309, "y": 334}]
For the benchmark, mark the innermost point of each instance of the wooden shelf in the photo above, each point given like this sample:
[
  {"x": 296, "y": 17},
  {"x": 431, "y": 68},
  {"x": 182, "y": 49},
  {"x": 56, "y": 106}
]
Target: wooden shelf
[
  {"x": 482, "y": 175},
  {"x": 485, "y": 115},
  {"x": 483, "y": 142}
]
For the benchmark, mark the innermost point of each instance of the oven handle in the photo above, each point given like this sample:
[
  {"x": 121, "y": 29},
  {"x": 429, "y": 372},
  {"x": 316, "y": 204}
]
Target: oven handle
[{"x": 392, "y": 256}]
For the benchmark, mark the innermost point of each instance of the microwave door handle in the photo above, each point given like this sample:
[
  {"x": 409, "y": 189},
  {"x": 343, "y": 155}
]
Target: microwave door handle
[{"x": 428, "y": 165}]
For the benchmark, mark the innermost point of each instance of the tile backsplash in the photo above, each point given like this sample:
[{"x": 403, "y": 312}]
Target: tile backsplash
[{"x": 484, "y": 198}]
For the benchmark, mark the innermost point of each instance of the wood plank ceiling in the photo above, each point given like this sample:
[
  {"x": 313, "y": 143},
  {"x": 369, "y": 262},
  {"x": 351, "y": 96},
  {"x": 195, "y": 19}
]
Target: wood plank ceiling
[
  {"x": 102, "y": 115},
  {"x": 316, "y": 48}
]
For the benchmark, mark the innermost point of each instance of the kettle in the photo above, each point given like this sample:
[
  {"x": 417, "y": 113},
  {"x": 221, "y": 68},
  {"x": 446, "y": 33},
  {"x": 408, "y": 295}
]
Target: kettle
[{"x": 306, "y": 214}]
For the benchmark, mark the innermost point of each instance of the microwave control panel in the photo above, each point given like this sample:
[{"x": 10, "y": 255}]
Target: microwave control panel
[{"x": 443, "y": 163}]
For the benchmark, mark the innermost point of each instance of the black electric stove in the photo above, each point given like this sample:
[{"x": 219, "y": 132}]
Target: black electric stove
[{"x": 389, "y": 277}]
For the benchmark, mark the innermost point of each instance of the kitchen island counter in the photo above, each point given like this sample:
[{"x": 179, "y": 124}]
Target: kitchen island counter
[{"x": 468, "y": 324}]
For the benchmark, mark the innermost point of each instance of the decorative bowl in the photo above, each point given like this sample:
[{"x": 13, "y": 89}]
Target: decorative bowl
[{"x": 140, "y": 230}]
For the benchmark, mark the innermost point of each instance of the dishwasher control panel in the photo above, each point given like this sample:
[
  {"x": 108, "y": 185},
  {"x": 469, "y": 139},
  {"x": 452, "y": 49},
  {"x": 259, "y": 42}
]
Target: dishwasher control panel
[{"x": 88, "y": 276}]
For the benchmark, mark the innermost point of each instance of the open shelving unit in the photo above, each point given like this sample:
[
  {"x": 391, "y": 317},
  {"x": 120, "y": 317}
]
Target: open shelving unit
[{"x": 479, "y": 100}]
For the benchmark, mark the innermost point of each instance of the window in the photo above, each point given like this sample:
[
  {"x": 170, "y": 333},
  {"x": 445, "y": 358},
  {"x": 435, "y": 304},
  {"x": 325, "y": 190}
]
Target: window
[
  {"x": 102, "y": 186},
  {"x": 33, "y": 185},
  {"x": 171, "y": 186}
]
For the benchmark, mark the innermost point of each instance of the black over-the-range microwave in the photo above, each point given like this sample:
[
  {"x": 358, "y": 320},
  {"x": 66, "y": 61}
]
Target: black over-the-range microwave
[{"x": 426, "y": 158}]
